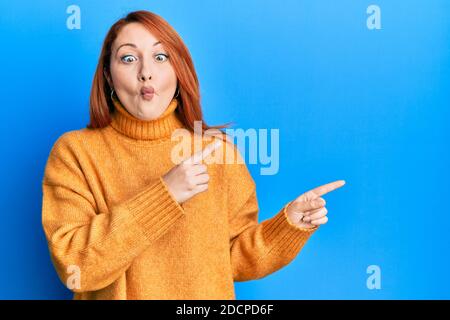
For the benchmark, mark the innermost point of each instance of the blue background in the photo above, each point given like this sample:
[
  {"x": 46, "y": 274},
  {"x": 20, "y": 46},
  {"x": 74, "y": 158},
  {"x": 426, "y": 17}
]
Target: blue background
[{"x": 367, "y": 106}]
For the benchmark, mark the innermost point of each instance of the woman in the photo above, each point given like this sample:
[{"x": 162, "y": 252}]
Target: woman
[{"x": 123, "y": 220}]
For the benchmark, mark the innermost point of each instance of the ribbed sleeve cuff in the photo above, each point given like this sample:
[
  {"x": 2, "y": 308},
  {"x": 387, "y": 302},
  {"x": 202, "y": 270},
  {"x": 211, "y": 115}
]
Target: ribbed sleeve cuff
[
  {"x": 154, "y": 209},
  {"x": 286, "y": 238}
]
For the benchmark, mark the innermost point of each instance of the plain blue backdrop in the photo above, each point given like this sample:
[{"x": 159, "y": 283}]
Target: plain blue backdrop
[{"x": 367, "y": 106}]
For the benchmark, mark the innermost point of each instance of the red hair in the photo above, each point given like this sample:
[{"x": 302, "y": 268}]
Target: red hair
[{"x": 189, "y": 109}]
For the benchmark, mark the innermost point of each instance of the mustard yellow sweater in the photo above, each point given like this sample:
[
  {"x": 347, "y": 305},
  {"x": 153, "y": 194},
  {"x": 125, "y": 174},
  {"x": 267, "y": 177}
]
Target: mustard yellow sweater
[{"x": 115, "y": 231}]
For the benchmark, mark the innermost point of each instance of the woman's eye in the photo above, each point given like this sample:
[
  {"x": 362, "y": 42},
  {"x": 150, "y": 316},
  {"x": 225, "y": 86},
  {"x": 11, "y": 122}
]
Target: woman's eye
[
  {"x": 127, "y": 58},
  {"x": 165, "y": 57}
]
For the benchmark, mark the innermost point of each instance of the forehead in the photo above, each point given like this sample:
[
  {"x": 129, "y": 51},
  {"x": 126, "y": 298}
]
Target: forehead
[{"x": 135, "y": 33}]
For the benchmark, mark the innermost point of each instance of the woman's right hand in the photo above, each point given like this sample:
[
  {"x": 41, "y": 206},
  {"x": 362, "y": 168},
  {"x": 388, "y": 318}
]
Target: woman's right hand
[{"x": 190, "y": 176}]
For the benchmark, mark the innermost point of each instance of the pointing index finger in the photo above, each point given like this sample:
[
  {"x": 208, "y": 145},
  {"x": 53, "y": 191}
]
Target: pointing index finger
[
  {"x": 197, "y": 157},
  {"x": 320, "y": 191},
  {"x": 210, "y": 148}
]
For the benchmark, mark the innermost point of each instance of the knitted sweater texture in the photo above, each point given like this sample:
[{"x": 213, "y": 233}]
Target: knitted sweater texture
[{"x": 115, "y": 231}]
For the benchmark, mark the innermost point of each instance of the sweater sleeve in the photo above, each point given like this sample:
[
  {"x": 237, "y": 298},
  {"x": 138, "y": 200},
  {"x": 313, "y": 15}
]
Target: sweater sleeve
[
  {"x": 100, "y": 245},
  {"x": 258, "y": 249}
]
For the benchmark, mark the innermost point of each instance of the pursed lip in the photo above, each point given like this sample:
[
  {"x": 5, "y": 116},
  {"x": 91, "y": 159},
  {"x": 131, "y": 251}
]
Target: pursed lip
[{"x": 147, "y": 90}]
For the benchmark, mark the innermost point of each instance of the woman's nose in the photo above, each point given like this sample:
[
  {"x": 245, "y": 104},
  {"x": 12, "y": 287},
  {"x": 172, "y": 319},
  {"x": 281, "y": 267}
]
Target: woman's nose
[
  {"x": 144, "y": 72},
  {"x": 144, "y": 76}
]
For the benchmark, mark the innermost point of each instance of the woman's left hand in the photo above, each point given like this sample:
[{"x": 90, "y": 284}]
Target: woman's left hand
[{"x": 308, "y": 210}]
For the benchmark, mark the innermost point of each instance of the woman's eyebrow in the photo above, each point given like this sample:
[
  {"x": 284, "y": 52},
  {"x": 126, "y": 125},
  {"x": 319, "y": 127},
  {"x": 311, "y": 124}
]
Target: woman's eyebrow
[{"x": 134, "y": 46}]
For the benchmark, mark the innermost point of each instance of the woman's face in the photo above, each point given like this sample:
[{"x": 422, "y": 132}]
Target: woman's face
[{"x": 137, "y": 61}]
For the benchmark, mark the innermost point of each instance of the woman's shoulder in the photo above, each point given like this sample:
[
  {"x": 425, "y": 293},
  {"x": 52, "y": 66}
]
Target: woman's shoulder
[
  {"x": 68, "y": 150},
  {"x": 64, "y": 141},
  {"x": 62, "y": 158},
  {"x": 67, "y": 144},
  {"x": 75, "y": 140}
]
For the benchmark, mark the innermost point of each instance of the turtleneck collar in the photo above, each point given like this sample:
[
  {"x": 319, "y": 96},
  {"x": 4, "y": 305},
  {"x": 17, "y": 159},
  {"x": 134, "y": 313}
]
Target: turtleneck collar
[{"x": 155, "y": 129}]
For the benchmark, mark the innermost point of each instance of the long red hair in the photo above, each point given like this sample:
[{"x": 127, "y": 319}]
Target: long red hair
[{"x": 189, "y": 108}]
